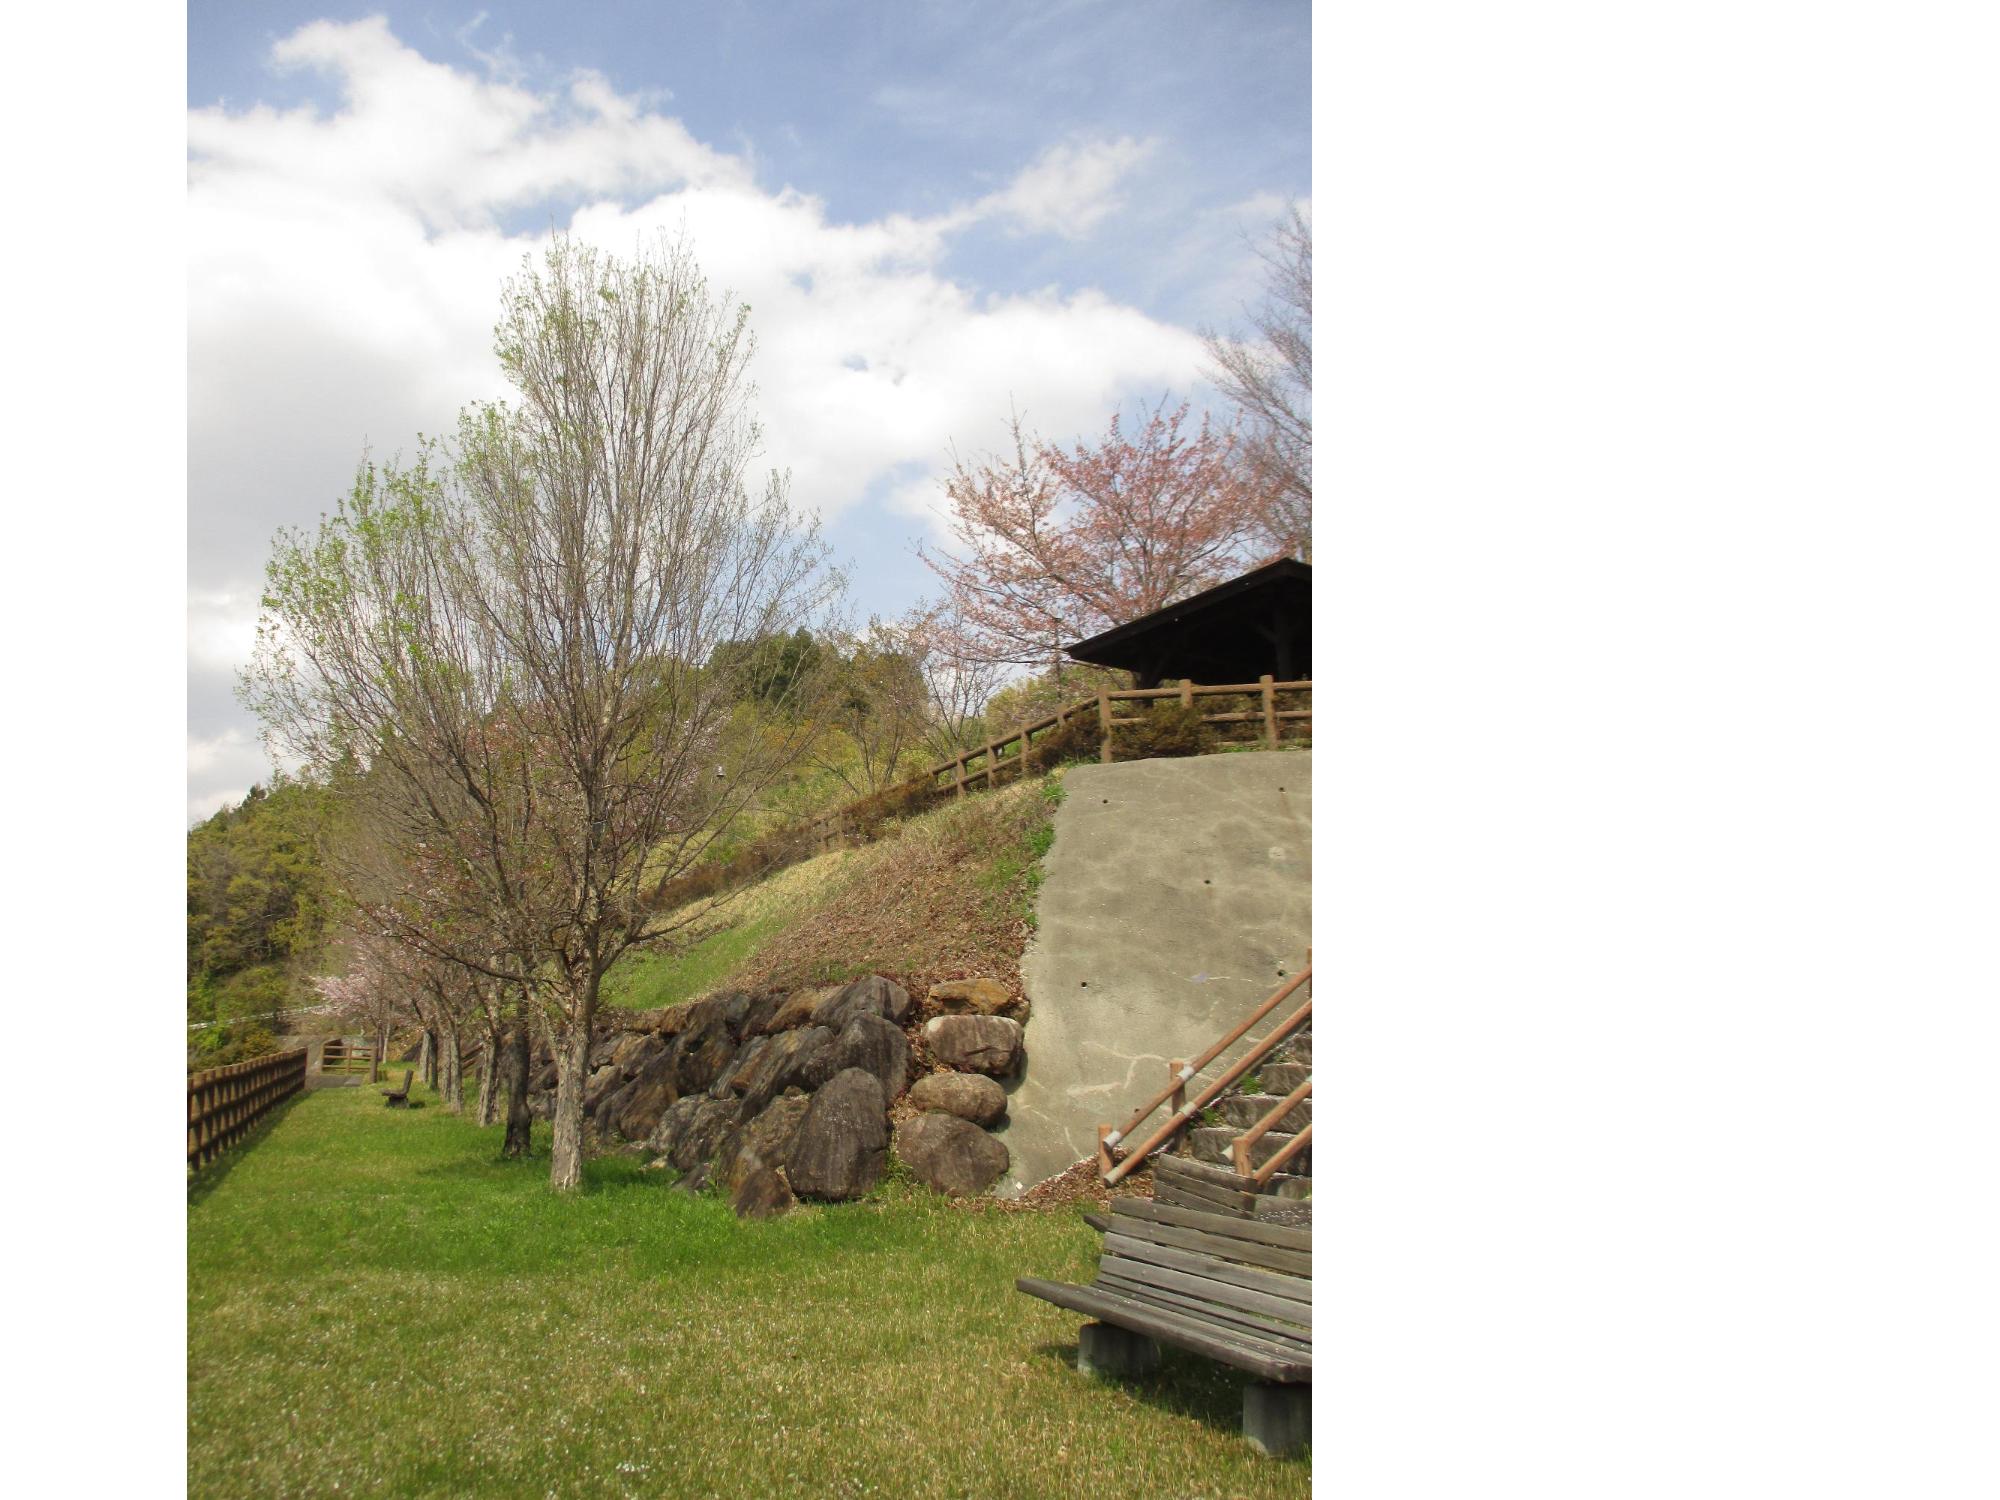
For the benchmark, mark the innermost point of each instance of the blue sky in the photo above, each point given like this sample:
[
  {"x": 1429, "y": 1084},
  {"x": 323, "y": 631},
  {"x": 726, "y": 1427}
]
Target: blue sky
[{"x": 935, "y": 211}]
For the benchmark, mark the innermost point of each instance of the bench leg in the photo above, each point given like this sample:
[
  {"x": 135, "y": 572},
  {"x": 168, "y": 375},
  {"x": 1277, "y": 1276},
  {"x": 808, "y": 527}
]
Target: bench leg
[
  {"x": 1277, "y": 1418},
  {"x": 1105, "y": 1350}
]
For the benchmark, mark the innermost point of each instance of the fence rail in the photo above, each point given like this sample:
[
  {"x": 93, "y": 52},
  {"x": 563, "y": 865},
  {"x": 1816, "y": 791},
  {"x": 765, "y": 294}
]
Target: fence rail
[
  {"x": 340, "y": 1056},
  {"x": 994, "y": 764},
  {"x": 223, "y": 1103},
  {"x": 989, "y": 764}
]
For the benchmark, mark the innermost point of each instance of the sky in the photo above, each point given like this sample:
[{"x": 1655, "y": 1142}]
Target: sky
[{"x": 938, "y": 213}]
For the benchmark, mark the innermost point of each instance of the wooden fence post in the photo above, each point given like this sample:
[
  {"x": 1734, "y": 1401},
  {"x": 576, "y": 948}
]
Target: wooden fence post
[
  {"x": 1104, "y": 728},
  {"x": 1270, "y": 711}
]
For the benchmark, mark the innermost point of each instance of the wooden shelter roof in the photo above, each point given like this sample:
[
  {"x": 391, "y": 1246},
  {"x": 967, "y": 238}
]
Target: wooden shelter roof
[{"x": 1235, "y": 632}]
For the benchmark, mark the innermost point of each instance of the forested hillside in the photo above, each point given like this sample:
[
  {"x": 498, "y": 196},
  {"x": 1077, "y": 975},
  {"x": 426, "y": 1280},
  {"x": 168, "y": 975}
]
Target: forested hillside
[{"x": 256, "y": 914}]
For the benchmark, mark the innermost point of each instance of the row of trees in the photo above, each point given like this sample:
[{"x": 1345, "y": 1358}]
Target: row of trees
[{"x": 498, "y": 654}]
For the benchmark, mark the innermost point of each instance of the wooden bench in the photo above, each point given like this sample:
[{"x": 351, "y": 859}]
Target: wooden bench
[
  {"x": 1236, "y": 1289},
  {"x": 400, "y": 1098}
]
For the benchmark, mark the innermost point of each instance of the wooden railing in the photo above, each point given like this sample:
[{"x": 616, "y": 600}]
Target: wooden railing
[
  {"x": 223, "y": 1103},
  {"x": 341, "y": 1056},
  {"x": 990, "y": 764},
  {"x": 1240, "y": 1151},
  {"x": 1183, "y": 1110}
]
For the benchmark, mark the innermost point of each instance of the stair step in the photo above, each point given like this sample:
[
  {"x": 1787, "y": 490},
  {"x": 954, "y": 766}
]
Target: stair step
[
  {"x": 1294, "y": 1049},
  {"x": 1282, "y": 1078},
  {"x": 1282, "y": 1184},
  {"x": 1212, "y": 1143},
  {"x": 1245, "y": 1110},
  {"x": 1284, "y": 1211}
]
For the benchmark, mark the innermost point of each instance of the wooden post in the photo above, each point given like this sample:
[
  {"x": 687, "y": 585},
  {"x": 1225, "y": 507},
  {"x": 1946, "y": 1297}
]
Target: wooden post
[
  {"x": 1187, "y": 693},
  {"x": 1104, "y": 728},
  {"x": 1270, "y": 711},
  {"x": 1177, "y": 1101},
  {"x": 1104, "y": 1162},
  {"x": 958, "y": 775}
]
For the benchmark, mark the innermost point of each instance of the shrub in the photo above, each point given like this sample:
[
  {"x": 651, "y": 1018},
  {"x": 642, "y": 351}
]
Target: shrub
[{"x": 1166, "y": 729}]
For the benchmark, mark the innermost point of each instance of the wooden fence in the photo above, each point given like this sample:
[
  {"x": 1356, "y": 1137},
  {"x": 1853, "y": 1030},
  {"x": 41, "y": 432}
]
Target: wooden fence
[
  {"x": 989, "y": 764},
  {"x": 338, "y": 1055},
  {"x": 1263, "y": 712},
  {"x": 223, "y": 1103}
]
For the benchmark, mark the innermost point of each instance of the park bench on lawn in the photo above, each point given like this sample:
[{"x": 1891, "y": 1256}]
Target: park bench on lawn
[
  {"x": 400, "y": 1098},
  {"x": 1233, "y": 1288}
]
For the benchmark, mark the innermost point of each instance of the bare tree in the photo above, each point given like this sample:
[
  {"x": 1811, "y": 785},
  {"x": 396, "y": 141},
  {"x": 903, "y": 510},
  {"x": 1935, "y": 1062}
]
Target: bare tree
[
  {"x": 878, "y": 699},
  {"x": 1269, "y": 378},
  {"x": 512, "y": 633},
  {"x": 957, "y": 685}
]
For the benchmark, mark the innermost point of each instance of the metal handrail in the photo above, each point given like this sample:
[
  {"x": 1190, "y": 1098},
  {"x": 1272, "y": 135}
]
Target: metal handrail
[
  {"x": 1257, "y": 1132},
  {"x": 1207, "y": 1096}
]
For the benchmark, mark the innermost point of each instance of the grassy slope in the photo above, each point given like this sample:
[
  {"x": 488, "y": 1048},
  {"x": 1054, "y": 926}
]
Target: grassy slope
[
  {"x": 379, "y": 1306},
  {"x": 947, "y": 894}
]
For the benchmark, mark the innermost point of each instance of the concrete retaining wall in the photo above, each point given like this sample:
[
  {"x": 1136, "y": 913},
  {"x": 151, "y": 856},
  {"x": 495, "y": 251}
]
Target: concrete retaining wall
[{"x": 1178, "y": 895}]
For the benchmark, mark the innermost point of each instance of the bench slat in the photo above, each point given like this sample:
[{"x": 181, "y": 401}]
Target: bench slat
[
  {"x": 1172, "y": 1329},
  {"x": 1249, "y": 1278},
  {"x": 1230, "y": 1319},
  {"x": 1245, "y": 1252},
  {"x": 1206, "y": 1290},
  {"x": 1281, "y": 1236}
]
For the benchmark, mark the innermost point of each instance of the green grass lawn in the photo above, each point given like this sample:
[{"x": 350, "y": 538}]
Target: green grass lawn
[{"x": 379, "y": 1305}]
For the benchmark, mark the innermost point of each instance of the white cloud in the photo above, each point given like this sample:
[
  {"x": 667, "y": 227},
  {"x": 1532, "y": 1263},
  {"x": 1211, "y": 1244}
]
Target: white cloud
[
  {"x": 343, "y": 277},
  {"x": 1069, "y": 189}
]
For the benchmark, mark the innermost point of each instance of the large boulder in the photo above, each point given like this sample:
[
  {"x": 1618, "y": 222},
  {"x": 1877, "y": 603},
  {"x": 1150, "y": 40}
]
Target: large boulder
[
  {"x": 634, "y": 1050},
  {"x": 762, "y": 1193},
  {"x": 795, "y": 1010},
  {"x": 873, "y": 996},
  {"x": 949, "y": 1154},
  {"x": 693, "y": 1130},
  {"x": 766, "y": 1140},
  {"x": 876, "y": 1046},
  {"x": 636, "y": 1111},
  {"x": 967, "y": 1095},
  {"x": 971, "y": 997},
  {"x": 975, "y": 1044},
  {"x": 785, "y": 1061},
  {"x": 757, "y": 1015},
  {"x": 725, "y": 1081},
  {"x": 843, "y": 1143},
  {"x": 701, "y": 1052}
]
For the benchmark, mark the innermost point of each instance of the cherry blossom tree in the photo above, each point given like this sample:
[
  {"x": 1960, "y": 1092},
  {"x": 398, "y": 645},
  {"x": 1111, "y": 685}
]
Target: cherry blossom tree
[{"x": 1056, "y": 544}]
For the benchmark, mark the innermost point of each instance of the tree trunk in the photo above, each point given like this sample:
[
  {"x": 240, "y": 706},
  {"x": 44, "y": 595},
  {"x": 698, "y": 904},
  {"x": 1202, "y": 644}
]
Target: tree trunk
[
  {"x": 451, "y": 1068},
  {"x": 519, "y": 1121},
  {"x": 427, "y": 1059},
  {"x": 572, "y": 1073},
  {"x": 489, "y": 1079}
]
